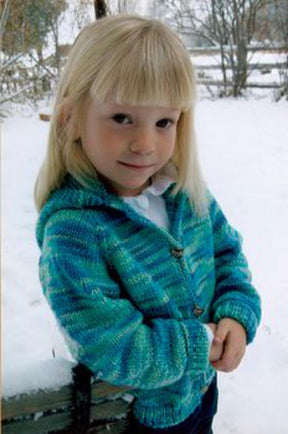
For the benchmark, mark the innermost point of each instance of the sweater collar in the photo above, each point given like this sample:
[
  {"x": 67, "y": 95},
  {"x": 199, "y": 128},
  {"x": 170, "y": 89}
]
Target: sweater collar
[{"x": 92, "y": 192}]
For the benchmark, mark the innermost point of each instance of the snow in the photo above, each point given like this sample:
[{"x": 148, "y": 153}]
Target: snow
[{"x": 244, "y": 156}]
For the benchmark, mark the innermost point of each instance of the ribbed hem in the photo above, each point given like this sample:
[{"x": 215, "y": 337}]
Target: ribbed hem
[
  {"x": 166, "y": 411},
  {"x": 164, "y": 416}
]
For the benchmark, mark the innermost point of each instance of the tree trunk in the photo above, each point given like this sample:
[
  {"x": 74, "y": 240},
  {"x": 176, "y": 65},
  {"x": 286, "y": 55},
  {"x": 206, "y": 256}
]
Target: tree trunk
[
  {"x": 241, "y": 68},
  {"x": 100, "y": 8}
]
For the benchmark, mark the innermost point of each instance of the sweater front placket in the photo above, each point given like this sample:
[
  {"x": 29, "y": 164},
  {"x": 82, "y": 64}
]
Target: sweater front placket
[{"x": 175, "y": 245}]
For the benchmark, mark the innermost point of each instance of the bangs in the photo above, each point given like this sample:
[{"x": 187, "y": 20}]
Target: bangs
[{"x": 146, "y": 70}]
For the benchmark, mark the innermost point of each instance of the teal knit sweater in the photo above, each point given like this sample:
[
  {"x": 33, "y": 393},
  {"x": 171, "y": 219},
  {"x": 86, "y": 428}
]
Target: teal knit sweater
[{"x": 131, "y": 298}]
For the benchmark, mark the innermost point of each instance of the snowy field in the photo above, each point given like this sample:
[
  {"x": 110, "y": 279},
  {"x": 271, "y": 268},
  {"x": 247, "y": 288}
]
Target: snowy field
[{"x": 244, "y": 154}]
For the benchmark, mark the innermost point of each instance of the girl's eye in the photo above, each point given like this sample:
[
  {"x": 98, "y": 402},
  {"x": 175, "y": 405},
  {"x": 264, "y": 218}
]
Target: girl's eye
[
  {"x": 164, "y": 123},
  {"x": 121, "y": 118}
]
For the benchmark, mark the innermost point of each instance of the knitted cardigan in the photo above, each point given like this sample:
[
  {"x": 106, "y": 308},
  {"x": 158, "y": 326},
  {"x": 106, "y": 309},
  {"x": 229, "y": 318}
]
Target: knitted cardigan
[{"x": 131, "y": 298}]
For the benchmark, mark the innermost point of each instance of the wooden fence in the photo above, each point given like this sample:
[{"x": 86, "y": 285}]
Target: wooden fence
[
  {"x": 264, "y": 68},
  {"x": 85, "y": 406}
]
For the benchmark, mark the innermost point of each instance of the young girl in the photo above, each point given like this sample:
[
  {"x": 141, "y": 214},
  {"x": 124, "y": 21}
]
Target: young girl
[{"x": 138, "y": 262}]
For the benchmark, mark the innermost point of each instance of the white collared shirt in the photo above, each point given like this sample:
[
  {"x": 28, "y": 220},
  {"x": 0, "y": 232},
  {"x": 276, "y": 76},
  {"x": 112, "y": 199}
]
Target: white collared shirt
[{"x": 150, "y": 204}]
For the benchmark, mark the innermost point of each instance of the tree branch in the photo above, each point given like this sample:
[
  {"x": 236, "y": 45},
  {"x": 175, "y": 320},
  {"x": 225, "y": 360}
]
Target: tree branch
[{"x": 10, "y": 97}]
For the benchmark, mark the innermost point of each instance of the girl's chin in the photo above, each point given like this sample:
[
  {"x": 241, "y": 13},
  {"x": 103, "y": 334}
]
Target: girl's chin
[{"x": 127, "y": 190}]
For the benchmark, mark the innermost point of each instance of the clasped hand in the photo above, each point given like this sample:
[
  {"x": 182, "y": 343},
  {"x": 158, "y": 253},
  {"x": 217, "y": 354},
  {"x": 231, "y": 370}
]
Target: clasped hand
[{"x": 229, "y": 344}]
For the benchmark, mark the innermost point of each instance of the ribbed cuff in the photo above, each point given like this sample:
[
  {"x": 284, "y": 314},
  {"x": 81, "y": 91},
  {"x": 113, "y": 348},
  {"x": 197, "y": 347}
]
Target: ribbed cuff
[
  {"x": 198, "y": 347},
  {"x": 241, "y": 313},
  {"x": 210, "y": 334}
]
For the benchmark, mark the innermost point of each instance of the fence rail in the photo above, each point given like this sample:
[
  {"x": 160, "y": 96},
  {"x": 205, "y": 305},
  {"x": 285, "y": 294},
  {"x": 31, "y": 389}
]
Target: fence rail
[
  {"x": 250, "y": 85},
  {"x": 251, "y": 48},
  {"x": 260, "y": 66}
]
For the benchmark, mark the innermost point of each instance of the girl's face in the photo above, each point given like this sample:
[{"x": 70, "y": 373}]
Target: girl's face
[{"x": 128, "y": 144}]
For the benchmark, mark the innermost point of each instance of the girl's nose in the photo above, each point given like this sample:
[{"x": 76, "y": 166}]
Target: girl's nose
[{"x": 143, "y": 142}]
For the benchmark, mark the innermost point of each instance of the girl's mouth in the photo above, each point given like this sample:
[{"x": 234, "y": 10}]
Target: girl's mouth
[{"x": 136, "y": 166}]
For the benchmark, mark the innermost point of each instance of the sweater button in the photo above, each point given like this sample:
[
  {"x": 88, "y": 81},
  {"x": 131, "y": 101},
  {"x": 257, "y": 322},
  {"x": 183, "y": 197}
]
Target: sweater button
[
  {"x": 176, "y": 252},
  {"x": 198, "y": 310}
]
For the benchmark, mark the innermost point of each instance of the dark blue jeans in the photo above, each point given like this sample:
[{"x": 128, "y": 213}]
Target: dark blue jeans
[{"x": 199, "y": 422}]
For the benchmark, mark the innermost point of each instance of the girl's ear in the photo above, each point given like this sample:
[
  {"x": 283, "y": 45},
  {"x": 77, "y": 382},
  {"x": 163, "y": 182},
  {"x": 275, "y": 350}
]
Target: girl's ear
[
  {"x": 67, "y": 119},
  {"x": 65, "y": 113}
]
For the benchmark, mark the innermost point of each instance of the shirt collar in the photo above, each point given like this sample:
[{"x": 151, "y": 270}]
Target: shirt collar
[{"x": 160, "y": 183}]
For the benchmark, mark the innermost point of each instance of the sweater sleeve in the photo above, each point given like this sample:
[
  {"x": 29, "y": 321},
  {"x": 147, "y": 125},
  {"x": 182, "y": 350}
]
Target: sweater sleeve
[
  {"x": 108, "y": 333},
  {"x": 235, "y": 296}
]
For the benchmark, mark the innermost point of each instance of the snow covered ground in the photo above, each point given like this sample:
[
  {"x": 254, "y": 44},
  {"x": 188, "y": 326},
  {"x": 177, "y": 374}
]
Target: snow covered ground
[{"x": 244, "y": 154}]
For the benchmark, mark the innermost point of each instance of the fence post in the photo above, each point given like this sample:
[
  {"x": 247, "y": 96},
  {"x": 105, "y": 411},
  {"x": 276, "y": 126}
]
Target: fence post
[{"x": 81, "y": 398}]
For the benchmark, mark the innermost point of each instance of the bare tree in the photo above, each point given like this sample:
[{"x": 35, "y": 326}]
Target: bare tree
[
  {"x": 4, "y": 14},
  {"x": 25, "y": 75},
  {"x": 100, "y": 8},
  {"x": 126, "y": 6},
  {"x": 278, "y": 14},
  {"x": 282, "y": 25},
  {"x": 226, "y": 24},
  {"x": 272, "y": 29},
  {"x": 5, "y": 63}
]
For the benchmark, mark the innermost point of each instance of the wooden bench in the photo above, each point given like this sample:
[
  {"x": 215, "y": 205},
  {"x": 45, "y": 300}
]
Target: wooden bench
[{"x": 85, "y": 406}]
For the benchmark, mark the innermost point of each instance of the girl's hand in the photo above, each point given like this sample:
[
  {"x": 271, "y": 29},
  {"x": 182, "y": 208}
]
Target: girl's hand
[
  {"x": 216, "y": 347},
  {"x": 232, "y": 335}
]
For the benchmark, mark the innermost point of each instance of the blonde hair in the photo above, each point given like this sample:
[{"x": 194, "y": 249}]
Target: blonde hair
[{"x": 125, "y": 59}]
